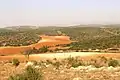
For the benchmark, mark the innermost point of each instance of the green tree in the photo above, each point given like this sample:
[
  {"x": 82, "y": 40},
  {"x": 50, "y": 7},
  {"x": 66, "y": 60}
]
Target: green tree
[{"x": 44, "y": 49}]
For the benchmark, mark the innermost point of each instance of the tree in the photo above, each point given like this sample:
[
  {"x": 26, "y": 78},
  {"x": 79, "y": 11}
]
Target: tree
[{"x": 28, "y": 52}]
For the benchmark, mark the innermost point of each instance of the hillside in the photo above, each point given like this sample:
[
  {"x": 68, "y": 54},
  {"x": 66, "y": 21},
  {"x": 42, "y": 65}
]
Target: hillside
[
  {"x": 88, "y": 36},
  {"x": 46, "y": 41}
]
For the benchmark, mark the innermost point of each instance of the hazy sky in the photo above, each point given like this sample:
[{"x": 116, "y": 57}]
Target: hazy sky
[{"x": 59, "y": 12}]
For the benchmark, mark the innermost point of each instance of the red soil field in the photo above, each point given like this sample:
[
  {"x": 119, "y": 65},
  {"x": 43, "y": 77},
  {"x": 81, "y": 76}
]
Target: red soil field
[{"x": 50, "y": 41}]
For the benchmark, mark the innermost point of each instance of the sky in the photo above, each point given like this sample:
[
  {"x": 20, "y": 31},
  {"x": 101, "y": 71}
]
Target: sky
[{"x": 58, "y": 12}]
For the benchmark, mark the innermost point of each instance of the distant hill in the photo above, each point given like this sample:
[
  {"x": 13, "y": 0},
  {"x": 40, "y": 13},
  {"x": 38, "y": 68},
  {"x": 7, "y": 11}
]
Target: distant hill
[{"x": 21, "y": 27}]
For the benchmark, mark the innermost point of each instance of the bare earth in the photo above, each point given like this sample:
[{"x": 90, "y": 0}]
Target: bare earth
[{"x": 45, "y": 41}]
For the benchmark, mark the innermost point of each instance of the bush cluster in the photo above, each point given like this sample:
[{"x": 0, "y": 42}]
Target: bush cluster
[
  {"x": 113, "y": 63},
  {"x": 29, "y": 74},
  {"x": 15, "y": 62}
]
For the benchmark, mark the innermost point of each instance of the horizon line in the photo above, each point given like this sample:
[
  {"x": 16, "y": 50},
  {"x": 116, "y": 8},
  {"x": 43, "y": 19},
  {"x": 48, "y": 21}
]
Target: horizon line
[{"x": 58, "y": 25}]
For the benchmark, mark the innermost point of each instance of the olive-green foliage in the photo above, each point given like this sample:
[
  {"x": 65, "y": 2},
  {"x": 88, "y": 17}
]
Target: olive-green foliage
[
  {"x": 43, "y": 49},
  {"x": 113, "y": 63},
  {"x": 100, "y": 43},
  {"x": 18, "y": 38},
  {"x": 17, "y": 77},
  {"x": 48, "y": 62},
  {"x": 74, "y": 62},
  {"x": 15, "y": 62},
  {"x": 88, "y": 37},
  {"x": 57, "y": 64},
  {"x": 29, "y": 74}
]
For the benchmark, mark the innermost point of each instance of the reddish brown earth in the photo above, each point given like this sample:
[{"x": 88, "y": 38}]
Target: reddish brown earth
[
  {"x": 50, "y": 41},
  {"x": 13, "y": 50}
]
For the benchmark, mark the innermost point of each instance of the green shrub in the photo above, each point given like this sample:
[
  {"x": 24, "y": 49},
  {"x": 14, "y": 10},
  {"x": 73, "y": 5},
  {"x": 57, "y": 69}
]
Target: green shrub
[
  {"x": 32, "y": 73},
  {"x": 43, "y": 49},
  {"x": 74, "y": 62},
  {"x": 70, "y": 59},
  {"x": 17, "y": 77},
  {"x": 113, "y": 63},
  {"x": 29, "y": 74},
  {"x": 15, "y": 62}
]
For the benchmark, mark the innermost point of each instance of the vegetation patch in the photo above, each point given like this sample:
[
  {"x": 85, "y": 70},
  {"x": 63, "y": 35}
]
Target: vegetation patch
[
  {"x": 15, "y": 62},
  {"x": 30, "y": 73}
]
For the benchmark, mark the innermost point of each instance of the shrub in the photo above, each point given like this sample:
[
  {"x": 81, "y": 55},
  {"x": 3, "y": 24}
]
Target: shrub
[
  {"x": 29, "y": 74},
  {"x": 104, "y": 59},
  {"x": 74, "y": 62},
  {"x": 70, "y": 59},
  {"x": 43, "y": 49},
  {"x": 48, "y": 62},
  {"x": 55, "y": 59},
  {"x": 17, "y": 77},
  {"x": 99, "y": 62},
  {"x": 32, "y": 73},
  {"x": 57, "y": 64},
  {"x": 113, "y": 63},
  {"x": 15, "y": 62}
]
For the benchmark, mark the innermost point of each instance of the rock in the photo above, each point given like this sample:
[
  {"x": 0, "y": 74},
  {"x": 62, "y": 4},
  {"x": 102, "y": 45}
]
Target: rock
[
  {"x": 117, "y": 69},
  {"x": 102, "y": 68},
  {"x": 47, "y": 66},
  {"x": 110, "y": 68},
  {"x": 37, "y": 67},
  {"x": 29, "y": 64},
  {"x": 92, "y": 69}
]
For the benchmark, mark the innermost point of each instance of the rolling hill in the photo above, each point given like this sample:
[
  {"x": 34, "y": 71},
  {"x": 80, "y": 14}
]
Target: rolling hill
[{"x": 87, "y": 36}]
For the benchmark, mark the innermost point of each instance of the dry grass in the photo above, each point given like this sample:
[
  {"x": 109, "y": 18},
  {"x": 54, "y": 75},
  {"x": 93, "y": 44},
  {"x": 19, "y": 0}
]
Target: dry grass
[
  {"x": 60, "y": 70},
  {"x": 38, "y": 57}
]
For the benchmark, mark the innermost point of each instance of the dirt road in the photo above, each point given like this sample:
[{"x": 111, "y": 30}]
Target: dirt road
[{"x": 86, "y": 55}]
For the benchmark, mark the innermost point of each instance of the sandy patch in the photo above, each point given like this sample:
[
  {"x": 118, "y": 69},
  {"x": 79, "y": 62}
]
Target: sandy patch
[{"x": 85, "y": 55}]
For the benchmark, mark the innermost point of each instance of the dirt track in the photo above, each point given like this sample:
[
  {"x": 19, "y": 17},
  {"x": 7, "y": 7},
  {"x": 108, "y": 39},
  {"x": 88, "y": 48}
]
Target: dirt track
[{"x": 85, "y": 55}]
